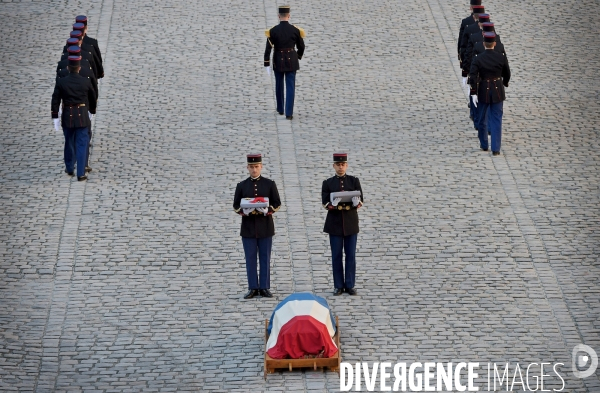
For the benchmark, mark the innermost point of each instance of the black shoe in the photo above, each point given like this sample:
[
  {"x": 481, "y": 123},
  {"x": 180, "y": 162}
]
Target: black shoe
[
  {"x": 486, "y": 149},
  {"x": 69, "y": 173},
  {"x": 88, "y": 169},
  {"x": 251, "y": 293},
  {"x": 351, "y": 291},
  {"x": 265, "y": 293},
  {"x": 338, "y": 291},
  {"x": 496, "y": 153},
  {"x": 281, "y": 113},
  {"x": 81, "y": 178},
  {"x": 289, "y": 117}
]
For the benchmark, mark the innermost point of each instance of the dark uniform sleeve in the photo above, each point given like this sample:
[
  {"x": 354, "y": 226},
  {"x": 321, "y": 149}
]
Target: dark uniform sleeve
[
  {"x": 274, "y": 200},
  {"x": 460, "y": 33},
  {"x": 237, "y": 199},
  {"x": 468, "y": 54},
  {"x": 463, "y": 48},
  {"x": 300, "y": 44},
  {"x": 505, "y": 72},
  {"x": 325, "y": 193},
  {"x": 92, "y": 97},
  {"x": 56, "y": 97},
  {"x": 268, "y": 48},
  {"x": 474, "y": 75}
]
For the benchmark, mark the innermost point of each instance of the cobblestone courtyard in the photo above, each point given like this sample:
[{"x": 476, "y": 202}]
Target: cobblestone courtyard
[{"x": 133, "y": 280}]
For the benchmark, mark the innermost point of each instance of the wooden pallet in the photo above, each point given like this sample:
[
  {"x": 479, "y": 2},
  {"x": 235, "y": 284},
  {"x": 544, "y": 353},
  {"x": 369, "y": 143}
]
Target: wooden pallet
[{"x": 332, "y": 363}]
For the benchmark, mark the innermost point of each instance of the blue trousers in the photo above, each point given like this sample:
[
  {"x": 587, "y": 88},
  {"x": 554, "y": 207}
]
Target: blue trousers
[
  {"x": 76, "y": 145},
  {"x": 347, "y": 244},
  {"x": 490, "y": 118},
  {"x": 290, "y": 88},
  {"x": 262, "y": 246}
]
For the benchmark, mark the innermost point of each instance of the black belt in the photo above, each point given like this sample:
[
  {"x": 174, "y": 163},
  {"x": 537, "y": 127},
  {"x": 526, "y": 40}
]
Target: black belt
[
  {"x": 284, "y": 50},
  {"x": 73, "y": 105},
  {"x": 491, "y": 79}
]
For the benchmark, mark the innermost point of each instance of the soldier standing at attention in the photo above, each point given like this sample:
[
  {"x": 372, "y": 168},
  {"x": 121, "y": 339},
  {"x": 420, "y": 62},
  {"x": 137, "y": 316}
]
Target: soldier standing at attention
[
  {"x": 258, "y": 228},
  {"x": 489, "y": 75},
  {"x": 78, "y": 97},
  {"x": 283, "y": 39},
  {"x": 342, "y": 224}
]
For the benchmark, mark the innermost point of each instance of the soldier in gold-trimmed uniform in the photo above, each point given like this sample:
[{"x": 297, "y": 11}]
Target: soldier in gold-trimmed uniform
[{"x": 283, "y": 39}]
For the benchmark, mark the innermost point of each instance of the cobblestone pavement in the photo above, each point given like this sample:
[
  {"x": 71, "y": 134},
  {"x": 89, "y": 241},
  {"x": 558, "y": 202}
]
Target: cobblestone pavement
[{"x": 133, "y": 280}]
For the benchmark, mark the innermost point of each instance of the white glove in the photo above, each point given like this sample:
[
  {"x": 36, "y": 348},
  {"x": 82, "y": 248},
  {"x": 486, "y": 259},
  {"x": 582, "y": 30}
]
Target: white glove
[
  {"x": 248, "y": 211},
  {"x": 474, "y": 97},
  {"x": 464, "y": 80},
  {"x": 263, "y": 210},
  {"x": 336, "y": 201},
  {"x": 56, "y": 124},
  {"x": 355, "y": 201},
  {"x": 268, "y": 72},
  {"x": 91, "y": 116}
]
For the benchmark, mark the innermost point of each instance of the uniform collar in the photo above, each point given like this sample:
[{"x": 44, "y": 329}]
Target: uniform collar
[
  {"x": 255, "y": 178},
  {"x": 340, "y": 177},
  {"x": 284, "y": 21}
]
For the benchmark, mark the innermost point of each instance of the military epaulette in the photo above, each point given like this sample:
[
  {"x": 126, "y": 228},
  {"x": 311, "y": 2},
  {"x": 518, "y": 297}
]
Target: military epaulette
[
  {"x": 302, "y": 33},
  {"x": 268, "y": 32}
]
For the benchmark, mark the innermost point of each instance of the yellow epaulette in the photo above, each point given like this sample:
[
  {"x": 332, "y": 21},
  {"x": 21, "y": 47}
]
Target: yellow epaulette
[
  {"x": 268, "y": 32},
  {"x": 302, "y": 33}
]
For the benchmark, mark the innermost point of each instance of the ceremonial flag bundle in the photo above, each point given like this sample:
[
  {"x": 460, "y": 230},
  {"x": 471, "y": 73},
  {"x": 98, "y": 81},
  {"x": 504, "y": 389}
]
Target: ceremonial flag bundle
[{"x": 301, "y": 326}]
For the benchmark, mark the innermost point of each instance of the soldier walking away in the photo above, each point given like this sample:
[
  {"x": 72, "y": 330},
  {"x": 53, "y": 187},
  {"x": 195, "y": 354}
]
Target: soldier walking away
[
  {"x": 78, "y": 98},
  {"x": 488, "y": 76},
  {"x": 283, "y": 39}
]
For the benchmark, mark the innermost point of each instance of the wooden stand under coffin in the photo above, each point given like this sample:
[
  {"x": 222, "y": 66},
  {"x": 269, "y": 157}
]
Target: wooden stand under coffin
[{"x": 332, "y": 363}]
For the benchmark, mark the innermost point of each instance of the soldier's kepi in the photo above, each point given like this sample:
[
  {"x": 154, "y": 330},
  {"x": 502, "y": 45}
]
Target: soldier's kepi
[
  {"x": 283, "y": 39},
  {"x": 342, "y": 224},
  {"x": 257, "y": 228}
]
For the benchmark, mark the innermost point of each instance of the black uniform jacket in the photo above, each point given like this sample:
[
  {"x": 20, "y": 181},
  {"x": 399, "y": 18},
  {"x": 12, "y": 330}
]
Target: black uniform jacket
[
  {"x": 464, "y": 41},
  {"x": 74, "y": 90},
  {"x": 94, "y": 44},
  {"x": 86, "y": 53},
  {"x": 85, "y": 71},
  {"x": 488, "y": 76},
  {"x": 474, "y": 39},
  {"x": 465, "y": 22},
  {"x": 343, "y": 219},
  {"x": 283, "y": 39},
  {"x": 257, "y": 225}
]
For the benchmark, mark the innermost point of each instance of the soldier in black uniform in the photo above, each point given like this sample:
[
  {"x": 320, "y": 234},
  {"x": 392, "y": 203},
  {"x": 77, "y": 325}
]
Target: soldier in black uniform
[
  {"x": 82, "y": 19},
  {"x": 484, "y": 19},
  {"x": 87, "y": 47},
  {"x": 464, "y": 23},
  {"x": 283, "y": 39},
  {"x": 478, "y": 46},
  {"x": 78, "y": 97},
  {"x": 87, "y": 72},
  {"x": 257, "y": 226},
  {"x": 342, "y": 224},
  {"x": 471, "y": 29},
  {"x": 489, "y": 75},
  {"x": 85, "y": 54}
]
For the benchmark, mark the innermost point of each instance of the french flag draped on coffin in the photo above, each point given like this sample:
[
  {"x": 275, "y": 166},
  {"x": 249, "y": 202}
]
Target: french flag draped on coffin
[{"x": 301, "y": 326}]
